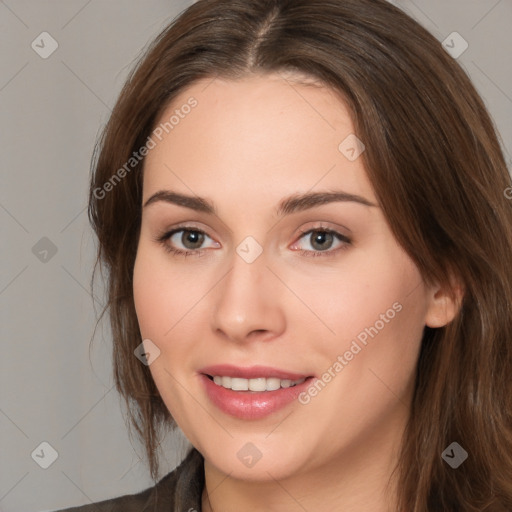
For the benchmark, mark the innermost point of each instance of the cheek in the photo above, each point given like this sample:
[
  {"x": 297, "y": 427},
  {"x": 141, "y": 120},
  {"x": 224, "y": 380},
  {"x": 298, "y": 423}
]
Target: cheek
[
  {"x": 378, "y": 317},
  {"x": 377, "y": 314},
  {"x": 163, "y": 295},
  {"x": 365, "y": 298},
  {"x": 162, "y": 299},
  {"x": 147, "y": 295}
]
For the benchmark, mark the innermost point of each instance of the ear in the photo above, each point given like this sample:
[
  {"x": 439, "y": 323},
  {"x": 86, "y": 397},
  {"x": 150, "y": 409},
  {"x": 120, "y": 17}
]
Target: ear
[{"x": 444, "y": 304}]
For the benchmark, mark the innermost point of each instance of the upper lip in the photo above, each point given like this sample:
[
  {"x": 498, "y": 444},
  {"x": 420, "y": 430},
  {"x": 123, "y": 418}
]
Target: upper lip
[{"x": 250, "y": 372}]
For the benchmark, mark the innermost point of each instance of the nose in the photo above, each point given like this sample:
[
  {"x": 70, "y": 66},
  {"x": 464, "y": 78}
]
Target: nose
[{"x": 248, "y": 302}]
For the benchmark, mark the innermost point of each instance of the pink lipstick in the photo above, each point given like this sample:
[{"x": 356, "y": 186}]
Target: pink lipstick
[{"x": 254, "y": 392}]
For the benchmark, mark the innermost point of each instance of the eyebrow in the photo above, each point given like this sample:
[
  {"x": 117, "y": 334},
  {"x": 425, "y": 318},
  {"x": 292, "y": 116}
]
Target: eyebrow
[{"x": 289, "y": 205}]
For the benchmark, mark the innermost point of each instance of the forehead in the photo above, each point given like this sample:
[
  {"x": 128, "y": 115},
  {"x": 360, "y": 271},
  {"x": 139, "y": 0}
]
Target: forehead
[{"x": 262, "y": 134}]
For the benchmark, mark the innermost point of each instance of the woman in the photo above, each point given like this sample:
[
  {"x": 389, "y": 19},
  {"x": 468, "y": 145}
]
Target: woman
[{"x": 302, "y": 209}]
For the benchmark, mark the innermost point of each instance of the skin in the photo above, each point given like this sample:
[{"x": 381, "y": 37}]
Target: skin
[{"x": 248, "y": 145}]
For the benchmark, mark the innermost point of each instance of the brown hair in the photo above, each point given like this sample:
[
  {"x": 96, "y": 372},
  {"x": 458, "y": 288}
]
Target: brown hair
[{"x": 434, "y": 159}]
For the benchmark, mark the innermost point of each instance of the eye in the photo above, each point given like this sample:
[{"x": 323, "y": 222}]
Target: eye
[
  {"x": 322, "y": 242},
  {"x": 185, "y": 241},
  {"x": 188, "y": 240}
]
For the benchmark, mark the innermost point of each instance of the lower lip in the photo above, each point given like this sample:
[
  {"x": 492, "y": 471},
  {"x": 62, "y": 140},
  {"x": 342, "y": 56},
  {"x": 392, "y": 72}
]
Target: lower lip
[{"x": 251, "y": 405}]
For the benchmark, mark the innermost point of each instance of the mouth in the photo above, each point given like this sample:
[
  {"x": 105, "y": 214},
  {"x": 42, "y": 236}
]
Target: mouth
[{"x": 252, "y": 393}]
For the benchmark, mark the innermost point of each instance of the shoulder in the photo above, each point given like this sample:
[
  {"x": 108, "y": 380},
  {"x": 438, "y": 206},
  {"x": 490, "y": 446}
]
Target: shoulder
[{"x": 179, "y": 488}]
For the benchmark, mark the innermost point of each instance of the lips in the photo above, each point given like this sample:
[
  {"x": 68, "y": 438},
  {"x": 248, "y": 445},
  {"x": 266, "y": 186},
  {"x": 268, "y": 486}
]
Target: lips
[
  {"x": 254, "y": 392},
  {"x": 252, "y": 372}
]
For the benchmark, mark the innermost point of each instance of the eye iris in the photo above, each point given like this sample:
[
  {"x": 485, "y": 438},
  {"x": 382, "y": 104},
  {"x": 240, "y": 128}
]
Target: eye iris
[
  {"x": 320, "y": 240},
  {"x": 192, "y": 239},
  {"x": 321, "y": 237}
]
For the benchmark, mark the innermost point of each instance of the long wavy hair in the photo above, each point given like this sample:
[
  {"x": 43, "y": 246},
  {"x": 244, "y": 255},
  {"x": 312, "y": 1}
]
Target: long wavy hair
[{"x": 434, "y": 159}]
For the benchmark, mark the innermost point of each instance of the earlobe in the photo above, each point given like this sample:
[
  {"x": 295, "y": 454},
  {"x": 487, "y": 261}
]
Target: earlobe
[{"x": 445, "y": 303}]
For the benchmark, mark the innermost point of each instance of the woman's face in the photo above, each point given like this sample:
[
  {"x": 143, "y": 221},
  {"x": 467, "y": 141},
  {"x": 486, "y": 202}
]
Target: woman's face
[{"x": 274, "y": 287}]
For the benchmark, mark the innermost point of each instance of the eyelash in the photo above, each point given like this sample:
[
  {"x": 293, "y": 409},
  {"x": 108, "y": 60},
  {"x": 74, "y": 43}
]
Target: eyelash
[
  {"x": 346, "y": 242},
  {"x": 163, "y": 239}
]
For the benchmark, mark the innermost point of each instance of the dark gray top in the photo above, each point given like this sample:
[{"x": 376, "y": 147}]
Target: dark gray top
[{"x": 178, "y": 491}]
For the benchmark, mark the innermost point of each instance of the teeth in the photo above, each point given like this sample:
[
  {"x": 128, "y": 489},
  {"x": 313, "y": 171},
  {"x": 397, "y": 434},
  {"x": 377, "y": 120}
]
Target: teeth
[
  {"x": 273, "y": 384},
  {"x": 257, "y": 384},
  {"x": 239, "y": 384}
]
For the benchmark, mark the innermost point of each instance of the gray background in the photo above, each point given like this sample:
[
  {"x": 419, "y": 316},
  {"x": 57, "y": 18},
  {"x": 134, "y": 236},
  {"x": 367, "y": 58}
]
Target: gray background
[{"x": 51, "y": 112}]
